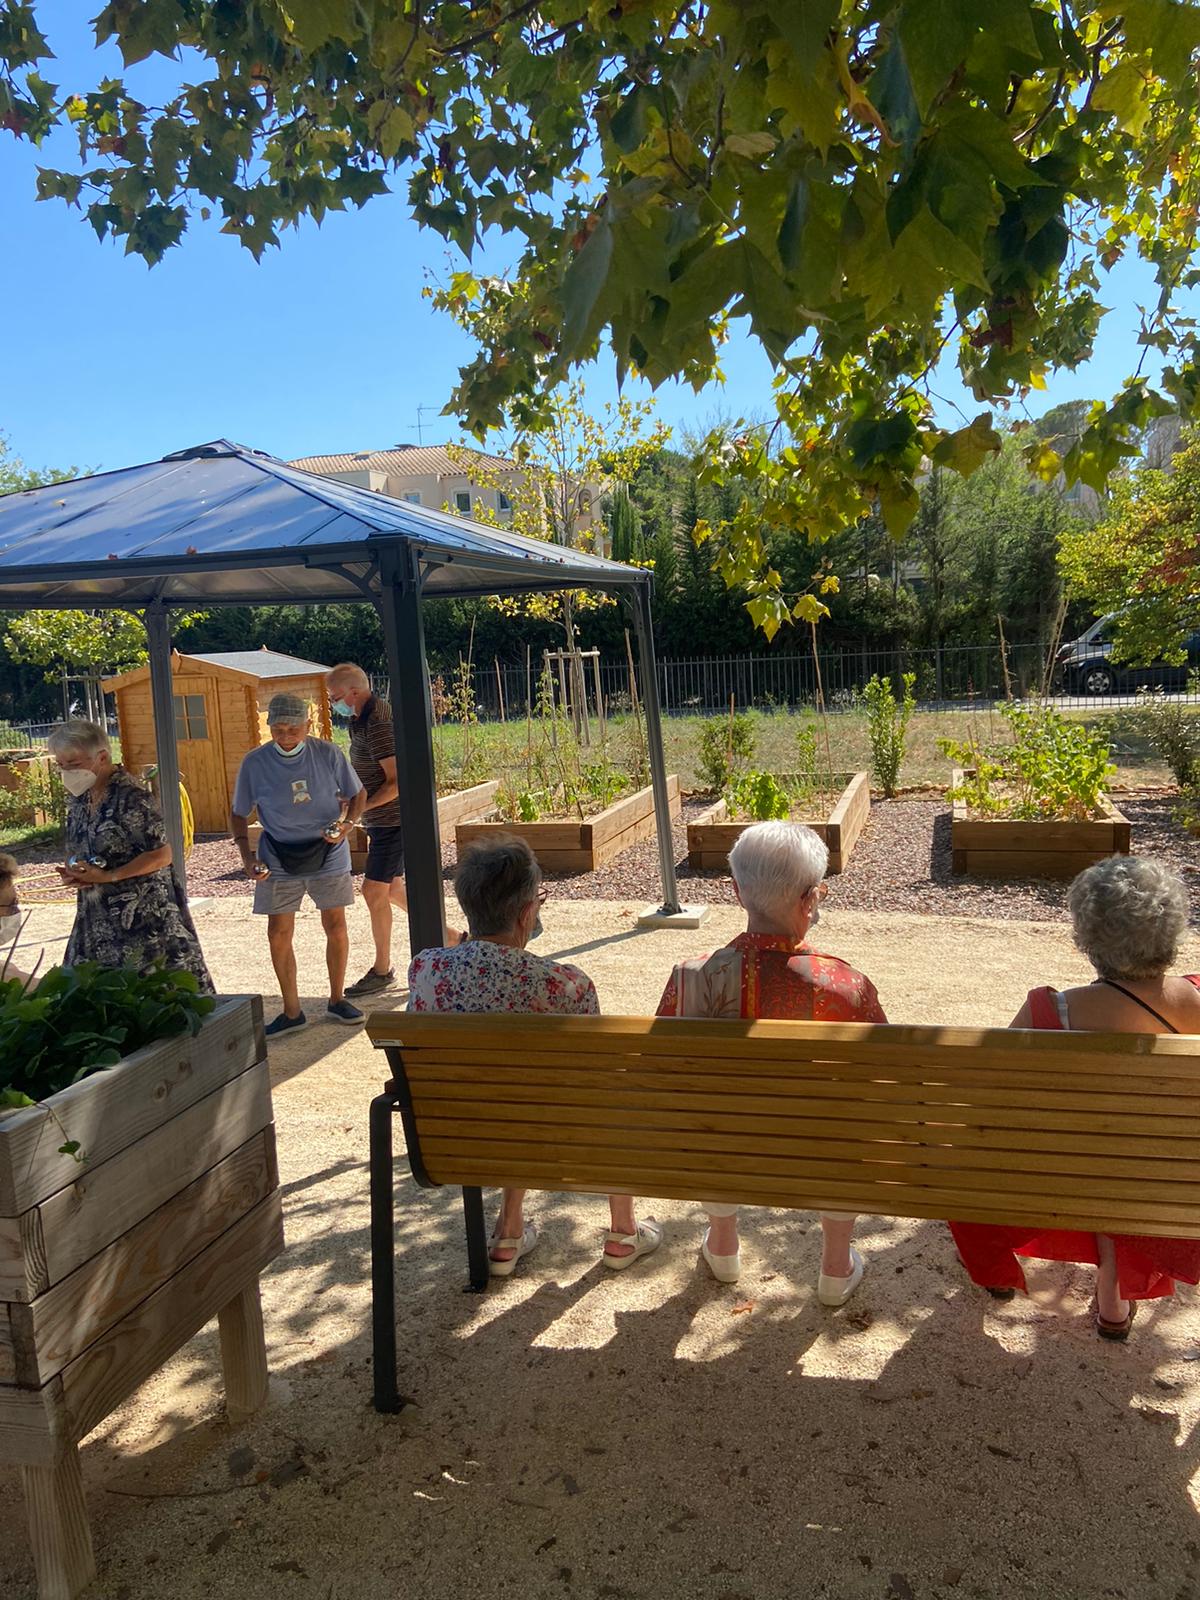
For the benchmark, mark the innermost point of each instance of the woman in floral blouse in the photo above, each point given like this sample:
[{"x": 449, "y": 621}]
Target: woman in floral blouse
[
  {"x": 130, "y": 906},
  {"x": 769, "y": 971},
  {"x": 499, "y": 886}
]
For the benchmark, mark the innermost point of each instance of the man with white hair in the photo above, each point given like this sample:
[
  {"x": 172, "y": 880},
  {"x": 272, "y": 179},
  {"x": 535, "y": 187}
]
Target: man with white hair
[
  {"x": 769, "y": 971},
  {"x": 373, "y": 757},
  {"x": 307, "y": 797}
]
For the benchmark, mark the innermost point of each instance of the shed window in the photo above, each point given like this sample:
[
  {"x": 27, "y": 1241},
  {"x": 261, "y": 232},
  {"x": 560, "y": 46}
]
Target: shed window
[{"x": 191, "y": 718}]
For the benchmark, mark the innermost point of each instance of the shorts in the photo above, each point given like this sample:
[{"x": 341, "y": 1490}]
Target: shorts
[
  {"x": 385, "y": 854},
  {"x": 280, "y": 895}
]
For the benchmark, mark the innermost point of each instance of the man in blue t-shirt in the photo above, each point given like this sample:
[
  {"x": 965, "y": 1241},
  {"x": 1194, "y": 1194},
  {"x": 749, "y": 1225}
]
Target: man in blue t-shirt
[{"x": 308, "y": 798}]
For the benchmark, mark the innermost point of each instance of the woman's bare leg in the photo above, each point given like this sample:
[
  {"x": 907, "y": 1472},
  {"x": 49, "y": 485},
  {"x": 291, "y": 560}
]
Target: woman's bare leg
[
  {"x": 1108, "y": 1300},
  {"x": 510, "y": 1224},
  {"x": 836, "y": 1234}
]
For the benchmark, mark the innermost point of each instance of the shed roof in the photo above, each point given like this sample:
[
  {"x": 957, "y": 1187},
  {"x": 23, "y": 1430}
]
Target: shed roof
[
  {"x": 219, "y": 524},
  {"x": 248, "y": 666}
]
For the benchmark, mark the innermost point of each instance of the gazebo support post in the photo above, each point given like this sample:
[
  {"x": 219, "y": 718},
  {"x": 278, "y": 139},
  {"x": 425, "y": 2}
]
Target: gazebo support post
[
  {"x": 412, "y": 716},
  {"x": 670, "y": 914},
  {"x": 162, "y": 701}
]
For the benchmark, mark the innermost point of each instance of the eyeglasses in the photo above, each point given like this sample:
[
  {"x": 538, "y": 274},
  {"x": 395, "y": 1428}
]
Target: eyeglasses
[{"x": 543, "y": 895}]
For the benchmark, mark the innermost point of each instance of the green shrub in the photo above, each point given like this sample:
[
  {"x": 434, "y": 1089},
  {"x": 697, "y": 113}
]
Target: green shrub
[
  {"x": 887, "y": 728},
  {"x": 1051, "y": 769},
  {"x": 760, "y": 797},
  {"x": 727, "y": 747},
  {"x": 1172, "y": 731},
  {"x": 81, "y": 1019}
]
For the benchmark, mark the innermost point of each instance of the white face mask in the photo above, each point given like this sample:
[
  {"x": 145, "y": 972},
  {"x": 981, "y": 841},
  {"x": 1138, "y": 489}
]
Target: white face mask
[
  {"x": 77, "y": 780},
  {"x": 10, "y": 926},
  {"x": 290, "y": 755}
]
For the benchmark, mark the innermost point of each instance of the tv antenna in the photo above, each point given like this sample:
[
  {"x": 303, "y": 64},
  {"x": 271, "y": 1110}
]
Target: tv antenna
[{"x": 421, "y": 410}]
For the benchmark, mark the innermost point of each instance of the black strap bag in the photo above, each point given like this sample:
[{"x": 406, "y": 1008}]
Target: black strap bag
[{"x": 301, "y": 857}]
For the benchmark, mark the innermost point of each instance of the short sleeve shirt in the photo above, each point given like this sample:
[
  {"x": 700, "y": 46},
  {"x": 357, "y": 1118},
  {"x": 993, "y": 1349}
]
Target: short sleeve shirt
[
  {"x": 296, "y": 797},
  {"x": 481, "y": 976},
  {"x": 372, "y": 740}
]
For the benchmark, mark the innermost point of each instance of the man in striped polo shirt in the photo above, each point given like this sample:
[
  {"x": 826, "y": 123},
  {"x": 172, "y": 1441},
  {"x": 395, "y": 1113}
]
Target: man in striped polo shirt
[{"x": 373, "y": 757}]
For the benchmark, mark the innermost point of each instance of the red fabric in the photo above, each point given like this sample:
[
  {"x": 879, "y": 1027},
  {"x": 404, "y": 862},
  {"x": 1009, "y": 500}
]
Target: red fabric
[
  {"x": 1147, "y": 1268},
  {"x": 762, "y": 975}
]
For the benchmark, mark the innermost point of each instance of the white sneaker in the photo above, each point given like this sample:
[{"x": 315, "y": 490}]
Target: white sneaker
[{"x": 836, "y": 1291}]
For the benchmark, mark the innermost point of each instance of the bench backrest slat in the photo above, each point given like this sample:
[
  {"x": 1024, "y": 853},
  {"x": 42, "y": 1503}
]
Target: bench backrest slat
[{"x": 1096, "y": 1132}]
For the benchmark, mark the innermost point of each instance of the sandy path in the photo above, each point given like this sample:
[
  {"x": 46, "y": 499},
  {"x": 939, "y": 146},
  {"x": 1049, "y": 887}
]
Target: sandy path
[{"x": 580, "y": 1433}]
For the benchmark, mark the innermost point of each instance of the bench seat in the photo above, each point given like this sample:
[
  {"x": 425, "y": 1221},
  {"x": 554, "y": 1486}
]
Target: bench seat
[{"x": 1096, "y": 1132}]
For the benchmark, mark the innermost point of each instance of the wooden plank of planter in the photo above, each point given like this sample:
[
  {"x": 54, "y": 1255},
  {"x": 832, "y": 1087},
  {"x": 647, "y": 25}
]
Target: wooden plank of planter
[
  {"x": 465, "y": 804},
  {"x": 70, "y": 1226},
  {"x": 538, "y": 835},
  {"x": 117, "y": 1107},
  {"x": 625, "y": 813},
  {"x": 617, "y": 844},
  {"x": 124, "y": 1357},
  {"x": 34, "y": 1430},
  {"x": 64, "y": 1321},
  {"x": 1029, "y": 863},
  {"x": 1010, "y": 834},
  {"x": 847, "y": 821}
]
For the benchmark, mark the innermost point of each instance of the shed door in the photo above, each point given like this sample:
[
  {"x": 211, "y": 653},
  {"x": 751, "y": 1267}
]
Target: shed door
[{"x": 201, "y": 757}]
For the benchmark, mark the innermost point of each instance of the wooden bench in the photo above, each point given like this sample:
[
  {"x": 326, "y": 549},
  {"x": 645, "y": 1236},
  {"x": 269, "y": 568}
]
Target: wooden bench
[{"x": 1099, "y": 1132}]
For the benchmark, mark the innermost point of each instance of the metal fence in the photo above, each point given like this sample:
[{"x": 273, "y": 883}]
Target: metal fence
[
  {"x": 953, "y": 676},
  {"x": 33, "y": 735}
]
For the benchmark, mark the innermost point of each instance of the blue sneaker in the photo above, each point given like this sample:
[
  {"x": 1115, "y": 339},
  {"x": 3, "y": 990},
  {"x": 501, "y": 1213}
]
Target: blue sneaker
[
  {"x": 343, "y": 1011},
  {"x": 285, "y": 1024}
]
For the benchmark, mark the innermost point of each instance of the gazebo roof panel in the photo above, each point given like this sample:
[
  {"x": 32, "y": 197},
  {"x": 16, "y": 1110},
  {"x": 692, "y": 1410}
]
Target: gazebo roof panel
[{"x": 221, "y": 525}]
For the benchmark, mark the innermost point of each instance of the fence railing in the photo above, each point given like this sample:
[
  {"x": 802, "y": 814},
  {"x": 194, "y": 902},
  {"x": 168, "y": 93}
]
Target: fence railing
[
  {"x": 950, "y": 676},
  {"x": 33, "y": 735}
]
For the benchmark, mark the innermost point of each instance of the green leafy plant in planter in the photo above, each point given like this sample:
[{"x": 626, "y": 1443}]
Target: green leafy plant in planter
[
  {"x": 887, "y": 727},
  {"x": 760, "y": 797},
  {"x": 1052, "y": 769},
  {"x": 726, "y": 750},
  {"x": 83, "y": 1019}
]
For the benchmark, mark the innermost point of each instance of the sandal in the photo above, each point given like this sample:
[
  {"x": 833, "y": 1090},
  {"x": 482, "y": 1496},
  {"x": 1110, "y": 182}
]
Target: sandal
[
  {"x": 519, "y": 1247},
  {"x": 1117, "y": 1331},
  {"x": 646, "y": 1238}
]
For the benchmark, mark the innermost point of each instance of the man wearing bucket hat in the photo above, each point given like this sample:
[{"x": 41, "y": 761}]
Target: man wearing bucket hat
[{"x": 308, "y": 798}]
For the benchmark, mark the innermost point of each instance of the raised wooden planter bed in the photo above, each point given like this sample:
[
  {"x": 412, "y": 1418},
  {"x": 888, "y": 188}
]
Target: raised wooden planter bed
[
  {"x": 567, "y": 846},
  {"x": 1005, "y": 848},
  {"x": 711, "y": 836},
  {"x": 109, "y": 1266}
]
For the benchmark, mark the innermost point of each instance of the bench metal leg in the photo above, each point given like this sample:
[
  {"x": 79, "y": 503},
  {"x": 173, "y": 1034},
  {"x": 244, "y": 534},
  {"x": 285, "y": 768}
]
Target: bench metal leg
[
  {"x": 477, "y": 1240},
  {"x": 383, "y": 1253}
]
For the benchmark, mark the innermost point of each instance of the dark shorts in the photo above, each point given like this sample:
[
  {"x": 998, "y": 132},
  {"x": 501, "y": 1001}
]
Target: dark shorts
[{"x": 385, "y": 854}]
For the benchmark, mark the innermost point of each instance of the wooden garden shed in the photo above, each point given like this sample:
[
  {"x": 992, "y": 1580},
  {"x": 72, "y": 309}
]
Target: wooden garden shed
[{"x": 220, "y": 713}]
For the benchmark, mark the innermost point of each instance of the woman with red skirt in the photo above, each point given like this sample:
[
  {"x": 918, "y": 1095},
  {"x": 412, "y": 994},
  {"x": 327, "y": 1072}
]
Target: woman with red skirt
[{"x": 1128, "y": 917}]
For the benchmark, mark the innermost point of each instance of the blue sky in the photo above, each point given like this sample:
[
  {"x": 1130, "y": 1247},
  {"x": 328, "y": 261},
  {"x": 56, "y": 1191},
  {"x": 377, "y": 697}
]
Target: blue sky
[{"x": 325, "y": 346}]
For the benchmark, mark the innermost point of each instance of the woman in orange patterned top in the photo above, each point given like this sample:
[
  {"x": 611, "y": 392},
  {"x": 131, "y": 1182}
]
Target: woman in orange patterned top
[{"x": 769, "y": 971}]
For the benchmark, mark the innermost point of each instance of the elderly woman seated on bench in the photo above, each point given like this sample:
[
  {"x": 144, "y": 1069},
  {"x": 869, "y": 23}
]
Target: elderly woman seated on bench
[
  {"x": 1128, "y": 915},
  {"x": 499, "y": 887},
  {"x": 770, "y": 971}
]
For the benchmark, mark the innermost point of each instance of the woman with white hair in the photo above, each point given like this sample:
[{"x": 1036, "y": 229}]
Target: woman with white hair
[
  {"x": 1128, "y": 915},
  {"x": 130, "y": 906},
  {"x": 778, "y": 870}
]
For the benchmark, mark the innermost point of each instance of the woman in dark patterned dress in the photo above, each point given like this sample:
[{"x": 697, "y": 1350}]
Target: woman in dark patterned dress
[{"x": 130, "y": 911}]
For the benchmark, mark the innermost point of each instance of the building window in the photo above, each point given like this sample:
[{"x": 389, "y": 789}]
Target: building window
[
  {"x": 462, "y": 499},
  {"x": 412, "y": 499},
  {"x": 503, "y": 501},
  {"x": 191, "y": 719}
]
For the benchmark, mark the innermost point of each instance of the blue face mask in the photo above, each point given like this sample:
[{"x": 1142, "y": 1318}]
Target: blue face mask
[{"x": 342, "y": 709}]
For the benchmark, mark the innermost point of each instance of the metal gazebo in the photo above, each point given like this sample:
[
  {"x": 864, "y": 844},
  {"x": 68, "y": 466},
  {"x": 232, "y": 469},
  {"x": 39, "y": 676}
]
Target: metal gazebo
[{"x": 220, "y": 524}]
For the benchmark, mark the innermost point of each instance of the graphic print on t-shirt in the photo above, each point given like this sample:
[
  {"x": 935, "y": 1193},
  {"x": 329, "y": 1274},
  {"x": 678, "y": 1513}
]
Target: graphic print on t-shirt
[{"x": 300, "y": 794}]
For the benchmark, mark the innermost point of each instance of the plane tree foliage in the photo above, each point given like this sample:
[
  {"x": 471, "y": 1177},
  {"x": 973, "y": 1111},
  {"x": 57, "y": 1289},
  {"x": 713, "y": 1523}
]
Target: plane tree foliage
[{"x": 869, "y": 188}]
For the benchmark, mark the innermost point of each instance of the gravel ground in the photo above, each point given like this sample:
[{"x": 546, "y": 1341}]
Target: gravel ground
[
  {"x": 577, "y": 1434},
  {"x": 901, "y": 863}
]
